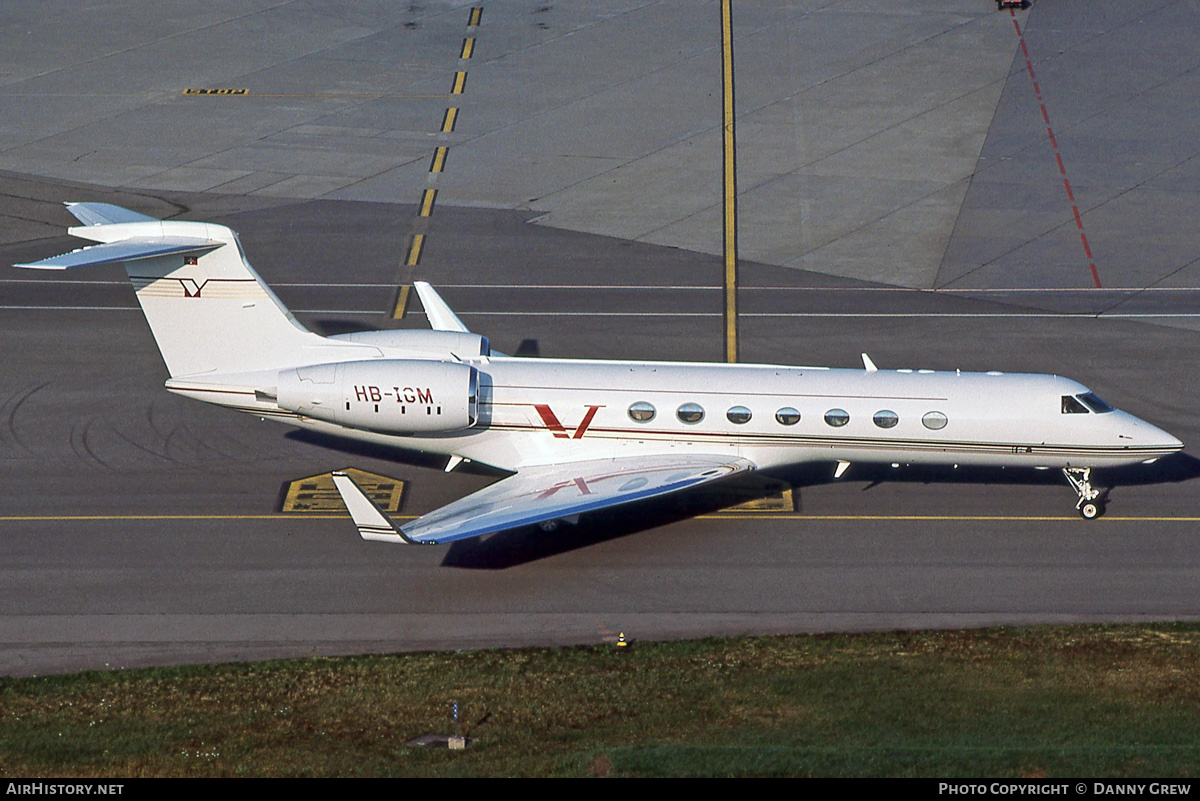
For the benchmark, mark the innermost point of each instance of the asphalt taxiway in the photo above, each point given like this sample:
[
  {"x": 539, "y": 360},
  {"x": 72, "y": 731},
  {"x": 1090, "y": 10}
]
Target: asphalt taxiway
[{"x": 140, "y": 528}]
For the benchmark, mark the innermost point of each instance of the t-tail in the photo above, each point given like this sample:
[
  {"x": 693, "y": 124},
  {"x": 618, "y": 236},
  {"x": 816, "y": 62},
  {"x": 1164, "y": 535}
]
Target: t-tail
[{"x": 208, "y": 309}]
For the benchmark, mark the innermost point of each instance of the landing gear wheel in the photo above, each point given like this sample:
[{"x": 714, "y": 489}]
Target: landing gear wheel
[{"x": 1091, "y": 500}]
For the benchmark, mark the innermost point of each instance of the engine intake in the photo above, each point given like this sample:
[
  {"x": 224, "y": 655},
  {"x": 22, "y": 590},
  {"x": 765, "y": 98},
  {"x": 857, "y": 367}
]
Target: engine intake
[{"x": 394, "y": 396}]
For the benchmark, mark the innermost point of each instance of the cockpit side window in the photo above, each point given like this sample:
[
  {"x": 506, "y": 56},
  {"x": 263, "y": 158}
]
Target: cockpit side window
[
  {"x": 1072, "y": 406},
  {"x": 1094, "y": 402}
]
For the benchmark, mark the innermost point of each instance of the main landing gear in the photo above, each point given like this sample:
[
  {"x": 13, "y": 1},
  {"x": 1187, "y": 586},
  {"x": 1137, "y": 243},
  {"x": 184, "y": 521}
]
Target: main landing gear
[{"x": 1091, "y": 502}]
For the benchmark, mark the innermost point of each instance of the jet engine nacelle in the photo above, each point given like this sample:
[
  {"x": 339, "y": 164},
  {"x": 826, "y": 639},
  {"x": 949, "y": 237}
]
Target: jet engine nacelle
[{"x": 394, "y": 396}]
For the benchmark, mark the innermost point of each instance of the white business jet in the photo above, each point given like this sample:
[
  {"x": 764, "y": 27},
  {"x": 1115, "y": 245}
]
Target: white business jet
[{"x": 576, "y": 435}]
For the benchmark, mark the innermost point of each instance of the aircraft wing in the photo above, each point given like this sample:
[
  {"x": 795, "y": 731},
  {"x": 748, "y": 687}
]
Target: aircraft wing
[{"x": 537, "y": 494}]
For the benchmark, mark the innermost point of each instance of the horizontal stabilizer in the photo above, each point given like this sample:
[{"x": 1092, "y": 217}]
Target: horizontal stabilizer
[
  {"x": 125, "y": 250},
  {"x": 105, "y": 214}
]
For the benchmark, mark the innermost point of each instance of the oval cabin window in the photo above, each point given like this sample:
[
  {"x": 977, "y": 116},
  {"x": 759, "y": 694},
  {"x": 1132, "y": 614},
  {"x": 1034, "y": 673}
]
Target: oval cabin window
[
  {"x": 837, "y": 417},
  {"x": 642, "y": 412},
  {"x": 934, "y": 421},
  {"x": 886, "y": 418},
  {"x": 787, "y": 416},
  {"x": 739, "y": 415},
  {"x": 690, "y": 413}
]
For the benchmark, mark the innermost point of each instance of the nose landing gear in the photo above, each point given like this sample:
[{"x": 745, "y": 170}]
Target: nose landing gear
[{"x": 1091, "y": 503}]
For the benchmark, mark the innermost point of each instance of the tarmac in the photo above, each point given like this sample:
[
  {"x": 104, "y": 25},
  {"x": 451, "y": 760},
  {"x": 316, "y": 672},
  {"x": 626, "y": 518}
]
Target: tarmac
[{"x": 935, "y": 183}]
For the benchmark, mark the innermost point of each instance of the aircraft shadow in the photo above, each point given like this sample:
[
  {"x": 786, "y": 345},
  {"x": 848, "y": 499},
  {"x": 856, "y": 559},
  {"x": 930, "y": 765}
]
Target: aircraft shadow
[
  {"x": 523, "y": 546},
  {"x": 367, "y": 450}
]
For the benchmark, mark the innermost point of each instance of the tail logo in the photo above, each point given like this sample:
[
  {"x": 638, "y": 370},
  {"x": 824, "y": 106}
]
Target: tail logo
[
  {"x": 551, "y": 421},
  {"x": 191, "y": 289}
]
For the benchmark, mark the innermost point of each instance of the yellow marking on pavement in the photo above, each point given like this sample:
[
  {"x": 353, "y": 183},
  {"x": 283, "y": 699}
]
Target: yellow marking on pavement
[
  {"x": 460, "y": 83},
  {"x": 414, "y": 250},
  {"x": 239, "y": 92},
  {"x": 427, "y": 198},
  {"x": 401, "y": 306},
  {"x": 468, "y": 47},
  {"x": 449, "y": 119},
  {"x": 317, "y": 494},
  {"x": 758, "y": 494},
  {"x": 439, "y": 160},
  {"x": 351, "y": 95},
  {"x": 729, "y": 147},
  {"x": 476, "y": 15},
  {"x": 957, "y": 518}
]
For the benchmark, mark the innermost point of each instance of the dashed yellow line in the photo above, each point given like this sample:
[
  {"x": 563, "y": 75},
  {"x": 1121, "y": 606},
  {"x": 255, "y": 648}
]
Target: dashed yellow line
[
  {"x": 449, "y": 120},
  {"x": 460, "y": 83},
  {"x": 468, "y": 47},
  {"x": 414, "y": 250},
  {"x": 439, "y": 160},
  {"x": 401, "y": 306},
  {"x": 427, "y": 198},
  {"x": 476, "y": 15}
]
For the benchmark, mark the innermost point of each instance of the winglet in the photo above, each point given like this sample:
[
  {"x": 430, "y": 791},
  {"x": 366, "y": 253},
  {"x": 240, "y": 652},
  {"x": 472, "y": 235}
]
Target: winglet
[
  {"x": 869, "y": 365},
  {"x": 441, "y": 317},
  {"x": 372, "y": 523}
]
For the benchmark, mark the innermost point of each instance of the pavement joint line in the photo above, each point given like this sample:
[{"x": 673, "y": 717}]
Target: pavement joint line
[{"x": 1037, "y": 91}]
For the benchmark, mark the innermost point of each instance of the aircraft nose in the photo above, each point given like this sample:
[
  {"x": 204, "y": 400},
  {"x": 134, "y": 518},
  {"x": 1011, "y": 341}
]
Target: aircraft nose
[{"x": 1153, "y": 439}]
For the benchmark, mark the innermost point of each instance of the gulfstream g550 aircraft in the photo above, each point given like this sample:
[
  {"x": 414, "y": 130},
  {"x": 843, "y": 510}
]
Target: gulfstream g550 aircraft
[{"x": 576, "y": 435}]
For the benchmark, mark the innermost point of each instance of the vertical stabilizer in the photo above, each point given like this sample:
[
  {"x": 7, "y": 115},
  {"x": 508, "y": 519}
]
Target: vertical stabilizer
[{"x": 208, "y": 309}]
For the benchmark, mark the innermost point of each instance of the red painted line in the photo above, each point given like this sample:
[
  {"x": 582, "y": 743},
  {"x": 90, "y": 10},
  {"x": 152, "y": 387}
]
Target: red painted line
[{"x": 1062, "y": 168}]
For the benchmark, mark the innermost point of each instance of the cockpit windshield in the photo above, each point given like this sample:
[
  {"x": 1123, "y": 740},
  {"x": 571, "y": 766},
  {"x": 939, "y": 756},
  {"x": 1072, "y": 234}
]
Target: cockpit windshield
[
  {"x": 1071, "y": 405},
  {"x": 1095, "y": 403}
]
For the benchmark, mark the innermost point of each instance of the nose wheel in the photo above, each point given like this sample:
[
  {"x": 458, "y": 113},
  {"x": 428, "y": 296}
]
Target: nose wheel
[{"x": 1091, "y": 503}]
